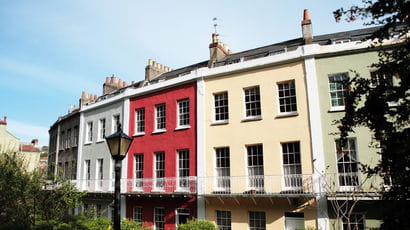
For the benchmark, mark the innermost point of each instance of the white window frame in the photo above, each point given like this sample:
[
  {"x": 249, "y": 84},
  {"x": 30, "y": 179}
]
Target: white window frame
[
  {"x": 157, "y": 216},
  {"x": 101, "y": 129},
  {"x": 89, "y": 133},
  {"x": 87, "y": 173},
  {"x": 62, "y": 140},
  {"x": 224, "y": 222},
  {"x": 116, "y": 120},
  {"x": 99, "y": 173},
  {"x": 341, "y": 76},
  {"x": 221, "y": 107},
  {"x": 159, "y": 183},
  {"x": 139, "y": 170},
  {"x": 183, "y": 114},
  {"x": 137, "y": 214},
  {"x": 183, "y": 180},
  {"x": 66, "y": 170},
  {"x": 375, "y": 81},
  {"x": 73, "y": 170},
  {"x": 160, "y": 117},
  {"x": 294, "y": 220},
  {"x": 222, "y": 169},
  {"x": 286, "y": 92},
  {"x": 248, "y": 92},
  {"x": 255, "y": 177},
  {"x": 294, "y": 180},
  {"x": 181, "y": 212},
  {"x": 139, "y": 121},
  {"x": 75, "y": 130},
  {"x": 348, "y": 176},
  {"x": 262, "y": 220}
]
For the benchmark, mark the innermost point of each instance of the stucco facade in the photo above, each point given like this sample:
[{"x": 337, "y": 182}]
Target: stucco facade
[
  {"x": 96, "y": 167},
  {"x": 365, "y": 150},
  {"x": 150, "y": 176},
  {"x": 271, "y": 130}
]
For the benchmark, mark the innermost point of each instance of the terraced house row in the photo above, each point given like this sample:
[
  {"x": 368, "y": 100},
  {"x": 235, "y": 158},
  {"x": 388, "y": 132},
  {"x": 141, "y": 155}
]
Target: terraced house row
[{"x": 245, "y": 140}]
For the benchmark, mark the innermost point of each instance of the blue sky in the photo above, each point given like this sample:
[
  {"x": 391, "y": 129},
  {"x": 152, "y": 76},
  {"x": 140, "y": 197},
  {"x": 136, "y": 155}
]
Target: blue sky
[{"x": 51, "y": 51}]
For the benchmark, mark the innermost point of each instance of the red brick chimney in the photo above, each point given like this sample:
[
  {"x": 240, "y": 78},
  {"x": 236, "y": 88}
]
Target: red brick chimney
[
  {"x": 307, "y": 28},
  {"x": 4, "y": 121}
]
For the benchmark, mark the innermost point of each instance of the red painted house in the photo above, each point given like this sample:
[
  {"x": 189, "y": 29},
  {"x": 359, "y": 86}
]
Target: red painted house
[{"x": 161, "y": 186}]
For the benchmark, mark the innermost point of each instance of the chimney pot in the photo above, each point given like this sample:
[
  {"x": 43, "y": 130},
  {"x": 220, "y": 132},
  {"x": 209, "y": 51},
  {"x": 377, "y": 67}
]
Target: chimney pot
[
  {"x": 83, "y": 95},
  {"x": 306, "y": 17},
  {"x": 124, "y": 84},
  {"x": 107, "y": 80},
  {"x": 132, "y": 82},
  {"x": 149, "y": 62},
  {"x": 5, "y": 119}
]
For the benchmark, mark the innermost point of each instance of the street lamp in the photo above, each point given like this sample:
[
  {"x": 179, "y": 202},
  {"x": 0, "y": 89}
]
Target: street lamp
[{"x": 118, "y": 143}]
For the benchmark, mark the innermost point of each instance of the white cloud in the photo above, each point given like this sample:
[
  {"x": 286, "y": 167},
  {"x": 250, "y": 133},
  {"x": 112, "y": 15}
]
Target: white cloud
[{"x": 27, "y": 132}]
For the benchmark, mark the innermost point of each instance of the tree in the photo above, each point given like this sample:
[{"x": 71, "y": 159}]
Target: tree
[
  {"x": 383, "y": 103},
  {"x": 25, "y": 199}
]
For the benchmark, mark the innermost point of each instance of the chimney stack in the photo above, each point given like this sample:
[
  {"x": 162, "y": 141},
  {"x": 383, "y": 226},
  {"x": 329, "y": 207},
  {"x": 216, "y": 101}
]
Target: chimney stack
[
  {"x": 113, "y": 83},
  {"x": 154, "y": 69},
  {"x": 34, "y": 142},
  {"x": 4, "y": 121},
  {"x": 87, "y": 98},
  {"x": 307, "y": 28},
  {"x": 217, "y": 50}
]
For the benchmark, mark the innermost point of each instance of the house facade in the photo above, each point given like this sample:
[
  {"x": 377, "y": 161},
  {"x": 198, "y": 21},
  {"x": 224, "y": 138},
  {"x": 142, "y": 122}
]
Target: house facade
[
  {"x": 246, "y": 140},
  {"x": 100, "y": 117},
  {"x": 63, "y": 146},
  {"x": 162, "y": 158},
  {"x": 344, "y": 179}
]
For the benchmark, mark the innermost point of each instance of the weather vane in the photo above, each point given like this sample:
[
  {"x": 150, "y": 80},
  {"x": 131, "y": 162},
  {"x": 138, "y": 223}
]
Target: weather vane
[{"x": 215, "y": 23}]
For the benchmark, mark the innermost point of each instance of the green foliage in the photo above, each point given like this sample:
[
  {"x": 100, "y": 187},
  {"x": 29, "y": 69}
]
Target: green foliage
[
  {"x": 384, "y": 107},
  {"x": 25, "y": 200},
  {"x": 132, "y": 225},
  {"x": 196, "y": 224}
]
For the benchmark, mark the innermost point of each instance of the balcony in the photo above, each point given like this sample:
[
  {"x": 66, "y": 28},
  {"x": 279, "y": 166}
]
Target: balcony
[
  {"x": 165, "y": 185},
  {"x": 353, "y": 185},
  {"x": 264, "y": 185}
]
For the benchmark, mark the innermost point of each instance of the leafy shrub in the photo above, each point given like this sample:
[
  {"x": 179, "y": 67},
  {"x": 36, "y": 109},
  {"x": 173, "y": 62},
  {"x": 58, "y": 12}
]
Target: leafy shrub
[{"x": 196, "y": 224}]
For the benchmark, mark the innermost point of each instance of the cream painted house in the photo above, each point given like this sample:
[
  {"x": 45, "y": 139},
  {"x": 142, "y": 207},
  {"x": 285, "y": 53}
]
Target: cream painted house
[
  {"x": 8, "y": 142},
  {"x": 258, "y": 152}
]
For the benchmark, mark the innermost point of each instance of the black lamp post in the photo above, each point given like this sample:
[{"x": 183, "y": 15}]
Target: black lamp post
[{"x": 118, "y": 143}]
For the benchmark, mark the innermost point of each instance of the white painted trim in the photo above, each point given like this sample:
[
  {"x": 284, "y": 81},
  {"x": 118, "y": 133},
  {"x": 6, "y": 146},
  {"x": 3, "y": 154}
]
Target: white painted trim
[
  {"x": 316, "y": 137},
  {"x": 299, "y": 54},
  {"x": 200, "y": 149},
  {"x": 125, "y": 128},
  {"x": 80, "y": 164}
]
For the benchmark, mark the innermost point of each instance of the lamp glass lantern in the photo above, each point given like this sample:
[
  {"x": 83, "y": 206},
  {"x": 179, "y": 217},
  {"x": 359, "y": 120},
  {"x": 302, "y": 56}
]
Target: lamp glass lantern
[{"x": 118, "y": 143}]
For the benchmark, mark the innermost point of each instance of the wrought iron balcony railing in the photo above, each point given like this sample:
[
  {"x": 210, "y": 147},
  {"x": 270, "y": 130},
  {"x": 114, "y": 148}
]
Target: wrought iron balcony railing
[{"x": 265, "y": 184}]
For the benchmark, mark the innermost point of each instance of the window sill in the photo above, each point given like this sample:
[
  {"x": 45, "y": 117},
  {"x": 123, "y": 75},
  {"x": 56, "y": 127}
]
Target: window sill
[
  {"x": 182, "y": 128},
  {"x": 283, "y": 115},
  {"x": 159, "y": 131},
  {"x": 336, "y": 109},
  {"x": 257, "y": 118},
  {"x": 225, "y": 122},
  {"x": 138, "y": 134},
  {"x": 158, "y": 190},
  {"x": 88, "y": 143},
  {"x": 99, "y": 141}
]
